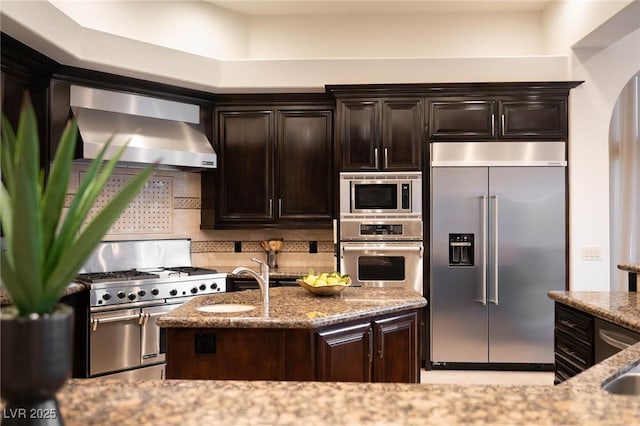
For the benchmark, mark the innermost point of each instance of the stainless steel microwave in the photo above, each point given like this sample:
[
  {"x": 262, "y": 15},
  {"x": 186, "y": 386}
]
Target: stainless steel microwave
[{"x": 380, "y": 193}]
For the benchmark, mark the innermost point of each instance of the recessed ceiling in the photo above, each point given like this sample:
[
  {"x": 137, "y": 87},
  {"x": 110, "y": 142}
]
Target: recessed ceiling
[{"x": 375, "y": 7}]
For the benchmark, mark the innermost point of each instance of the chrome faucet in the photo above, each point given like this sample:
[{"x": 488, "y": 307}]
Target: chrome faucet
[{"x": 262, "y": 278}]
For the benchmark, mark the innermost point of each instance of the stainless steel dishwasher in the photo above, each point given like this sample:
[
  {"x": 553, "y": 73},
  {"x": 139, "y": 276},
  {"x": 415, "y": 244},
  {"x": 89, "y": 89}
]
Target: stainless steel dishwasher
[{"x": 611, "y": 339}]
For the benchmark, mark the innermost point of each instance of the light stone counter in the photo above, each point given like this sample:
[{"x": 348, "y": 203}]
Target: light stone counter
[
  {"x": 579, "y": 401},
  {"x": 293, "y": 307},
  {"x": 630, "y": 267},
  {"x": 620, "y": 307}
]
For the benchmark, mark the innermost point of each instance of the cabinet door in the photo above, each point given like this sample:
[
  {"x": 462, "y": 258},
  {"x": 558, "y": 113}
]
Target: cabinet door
[
  {"x": 304, "y": 166},
  {"x": 462, "y": 120},
  {"x": 344, "y": 354},
  {"x": 396, "y": 349},
  {"x": 246, "y": 153},
  {"x": 533, "y": 119},
  {"x": 358, "y": 130},
  {"x": 401, "y": 134}
]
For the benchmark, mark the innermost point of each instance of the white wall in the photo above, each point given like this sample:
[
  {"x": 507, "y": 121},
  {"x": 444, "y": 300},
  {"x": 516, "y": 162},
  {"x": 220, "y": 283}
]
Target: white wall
[
  {"x": 568, "y": 21},
  {"x": 605, "y": 67},
  {"x": 47, "y": 29},
  {"x": 437, "y": 35},
  {"x": 194, "y": 27},
  {"x": 605, "y": 72}
]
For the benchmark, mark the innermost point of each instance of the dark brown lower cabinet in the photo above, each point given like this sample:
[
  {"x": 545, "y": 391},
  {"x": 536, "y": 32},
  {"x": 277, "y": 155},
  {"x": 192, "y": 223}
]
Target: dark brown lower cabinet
[
  {"x": 380, "y": 348},
  {"x": 344, "y": 353},
  {"x": 573, "y": 342},
  {"x": 239, "y": 354}
]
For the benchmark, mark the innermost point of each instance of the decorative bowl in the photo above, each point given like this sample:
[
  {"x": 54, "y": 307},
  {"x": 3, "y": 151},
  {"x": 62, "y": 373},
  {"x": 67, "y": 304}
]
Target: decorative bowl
[{"x": 325, "y": 290}]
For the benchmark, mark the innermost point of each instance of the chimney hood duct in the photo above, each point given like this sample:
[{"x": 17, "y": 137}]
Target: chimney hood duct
[{"x": 156, "y": 130}]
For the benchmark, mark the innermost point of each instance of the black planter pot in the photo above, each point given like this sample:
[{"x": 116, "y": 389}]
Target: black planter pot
[{"x": 36, "y": 362}]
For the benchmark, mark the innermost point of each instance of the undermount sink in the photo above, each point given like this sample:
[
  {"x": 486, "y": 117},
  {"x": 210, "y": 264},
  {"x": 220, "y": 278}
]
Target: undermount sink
[
  {"x": 220, "y": 308},
  {"x": 625, "y": 384}
]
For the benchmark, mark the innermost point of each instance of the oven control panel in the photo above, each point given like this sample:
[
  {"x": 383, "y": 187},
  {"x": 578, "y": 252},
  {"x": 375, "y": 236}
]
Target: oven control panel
[{"x": 380, "y": 229}]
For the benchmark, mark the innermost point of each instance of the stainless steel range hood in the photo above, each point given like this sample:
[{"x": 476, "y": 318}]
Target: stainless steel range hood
[{"x": 156, "y": 130}]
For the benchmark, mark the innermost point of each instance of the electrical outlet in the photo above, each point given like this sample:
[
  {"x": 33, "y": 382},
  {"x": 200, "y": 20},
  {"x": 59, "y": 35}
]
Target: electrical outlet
[
  {"x": 237, "y": 246},
  {"x": 591, "y": 253},
  {"x": 313, "y": 246}
]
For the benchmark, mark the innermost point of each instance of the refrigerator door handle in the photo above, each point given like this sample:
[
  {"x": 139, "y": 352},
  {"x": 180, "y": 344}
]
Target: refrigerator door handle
[
  {"x": 495, "y": 250},
  {"x": 483, "y": 299}
]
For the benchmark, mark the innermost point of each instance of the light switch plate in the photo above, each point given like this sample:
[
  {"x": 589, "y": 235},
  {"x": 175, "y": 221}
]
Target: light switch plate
[{"x": 591, "y": 253}]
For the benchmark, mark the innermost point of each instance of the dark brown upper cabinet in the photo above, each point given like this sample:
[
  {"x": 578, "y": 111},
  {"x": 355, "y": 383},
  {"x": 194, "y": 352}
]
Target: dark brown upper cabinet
[
  {"x": 475, "y": 119},
  {"x": 245, "y": 143},
  {"x": 462, "y": 119},
  {"x": 533, "y": 119},
  {"x": 380, "y": 134},
  {"x": 275, "y": 167}
]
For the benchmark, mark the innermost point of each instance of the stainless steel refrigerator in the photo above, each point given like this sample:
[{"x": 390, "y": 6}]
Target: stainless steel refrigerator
[{"x": 497, "y": 247}]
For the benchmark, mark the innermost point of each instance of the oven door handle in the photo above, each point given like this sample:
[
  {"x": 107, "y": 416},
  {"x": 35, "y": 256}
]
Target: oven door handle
[
  {"x": 419, "y": 248},
  {"x": 121, "y": 318}
]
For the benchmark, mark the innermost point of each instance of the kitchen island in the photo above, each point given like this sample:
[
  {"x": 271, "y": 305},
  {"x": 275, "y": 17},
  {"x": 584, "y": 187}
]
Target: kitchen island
[
  {"x": 360, "y": 334},
  {"x": 578, "y": 401}
]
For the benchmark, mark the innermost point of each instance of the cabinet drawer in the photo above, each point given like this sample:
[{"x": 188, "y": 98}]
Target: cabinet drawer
[
  {"x": 574, "y": 323},
  {"x": 573, "y": 350},
  {"x": 564, "y": 370}
]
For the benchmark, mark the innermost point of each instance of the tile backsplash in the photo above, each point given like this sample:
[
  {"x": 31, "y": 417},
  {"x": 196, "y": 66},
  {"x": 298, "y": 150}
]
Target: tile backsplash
[{"x": 169, "y": 207}]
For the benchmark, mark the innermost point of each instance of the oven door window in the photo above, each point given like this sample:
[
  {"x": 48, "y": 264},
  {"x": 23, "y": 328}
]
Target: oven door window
[
  {"x": 381, "y": 196},
  {"x": 381, "y": 268}
]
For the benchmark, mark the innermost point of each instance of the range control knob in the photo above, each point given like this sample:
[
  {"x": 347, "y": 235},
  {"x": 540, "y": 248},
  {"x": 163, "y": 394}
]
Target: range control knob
[
  {"x": 194, "y": 290},
  {"x": 214, "y": 286},
  {"x": 155, "y": 291},
  {"x": 142, "y": 293},
  {"x": 106, "y": 296},
  {"x": 173, "y": 292},
  {"x": 121, "y": 295},
  {"x": 203, "y": 287},
  {"x": 131, "y": 296}
]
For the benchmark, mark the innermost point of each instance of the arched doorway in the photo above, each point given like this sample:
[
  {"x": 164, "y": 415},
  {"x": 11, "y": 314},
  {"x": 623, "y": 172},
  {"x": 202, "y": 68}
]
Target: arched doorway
[{"x": 624, "y": 182}]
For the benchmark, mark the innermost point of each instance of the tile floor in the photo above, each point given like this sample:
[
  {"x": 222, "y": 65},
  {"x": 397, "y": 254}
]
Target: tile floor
[{"x": 459, "y": 377}]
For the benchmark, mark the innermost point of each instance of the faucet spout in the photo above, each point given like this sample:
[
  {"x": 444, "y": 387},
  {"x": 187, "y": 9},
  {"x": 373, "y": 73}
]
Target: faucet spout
[{"x": 262, "y": 279}]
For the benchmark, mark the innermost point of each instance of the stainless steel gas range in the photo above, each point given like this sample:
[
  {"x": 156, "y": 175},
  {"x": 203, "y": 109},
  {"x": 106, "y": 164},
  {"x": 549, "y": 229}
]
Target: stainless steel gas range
[{"x": 132, "y": 283}]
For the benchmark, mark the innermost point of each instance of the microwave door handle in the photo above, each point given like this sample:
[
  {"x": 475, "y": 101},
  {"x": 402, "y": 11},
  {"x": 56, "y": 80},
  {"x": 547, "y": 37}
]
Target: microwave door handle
[
  {"x": 375, "y": 157},
  {"x": 386, "y": 157}
]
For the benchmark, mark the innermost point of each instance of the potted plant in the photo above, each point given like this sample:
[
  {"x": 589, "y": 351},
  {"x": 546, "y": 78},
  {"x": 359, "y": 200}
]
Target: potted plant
[{"x": 44, "y": 250}]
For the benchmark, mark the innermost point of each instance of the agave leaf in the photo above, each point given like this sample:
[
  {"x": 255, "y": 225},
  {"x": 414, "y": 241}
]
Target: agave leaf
[
  {"x": 44, "y": 255},
  {"x": 25, "y": 203},
  {"x": 89, "y": 190},
  {"x": 12, "y": 285},
  {"x": 8, "y": 151},
  {"x": 73, "y": 257},
  {"x": 57, "y": 184}
]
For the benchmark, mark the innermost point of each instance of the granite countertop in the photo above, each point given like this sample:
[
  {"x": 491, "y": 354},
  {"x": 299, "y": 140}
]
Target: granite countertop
[
  {"x": 293, "y": 307},
  {"x": 71, "y": 289},
  {"x": 620, "y": 307},
  {"x": 630, "y": 267},
  {"x": 578, "y": 401}
]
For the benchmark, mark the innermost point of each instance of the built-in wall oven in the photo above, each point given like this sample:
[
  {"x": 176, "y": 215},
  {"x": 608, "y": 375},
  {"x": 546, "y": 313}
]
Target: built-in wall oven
[{"x": 381, "y": 240}]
